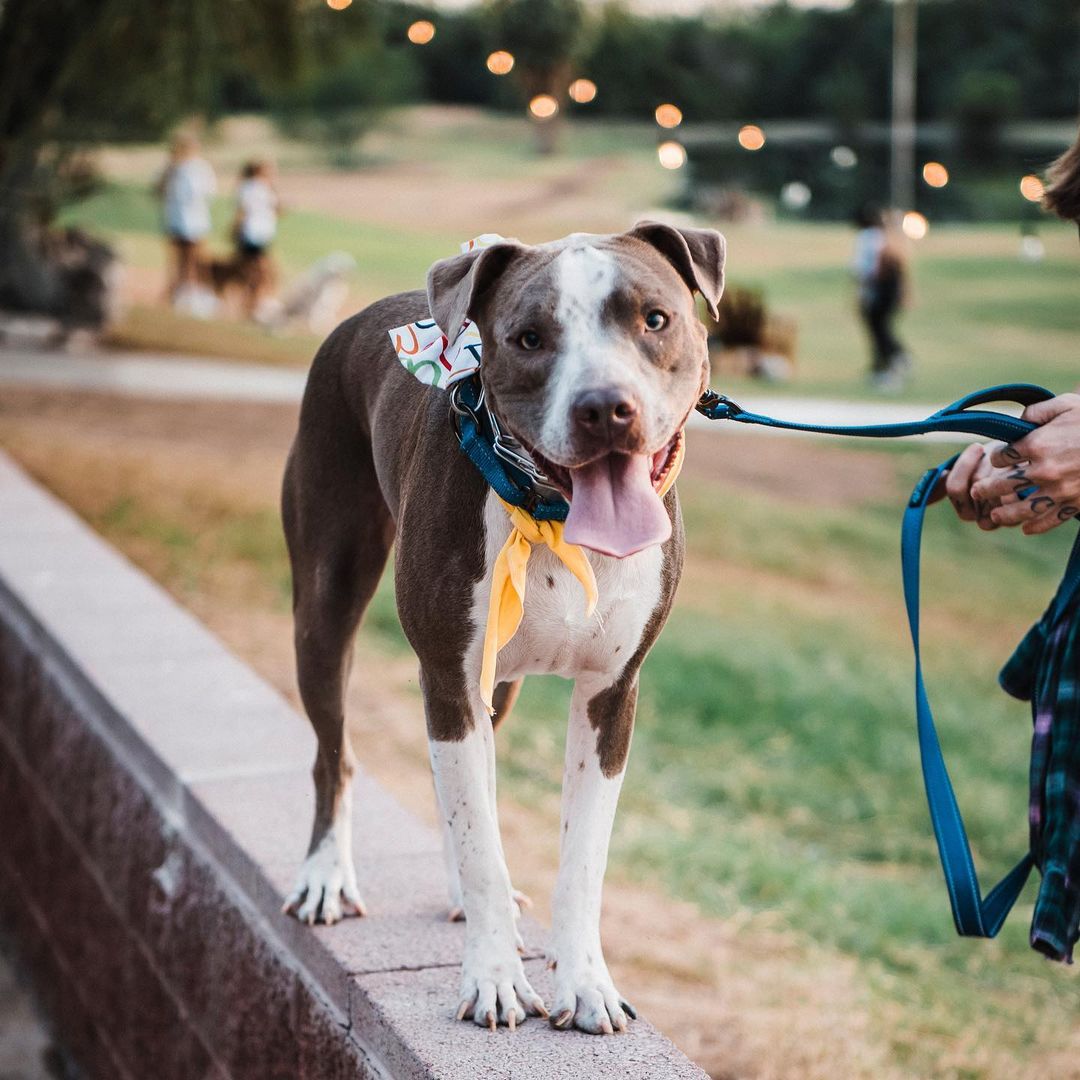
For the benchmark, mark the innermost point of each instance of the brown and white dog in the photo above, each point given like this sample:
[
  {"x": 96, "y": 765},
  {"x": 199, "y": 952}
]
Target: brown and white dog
[{"x": 593, "y": 358}]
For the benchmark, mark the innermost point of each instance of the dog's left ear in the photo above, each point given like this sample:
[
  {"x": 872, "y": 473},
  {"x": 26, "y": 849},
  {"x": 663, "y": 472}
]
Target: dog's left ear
[
  {"x": 456, "y": 285},
  {"x": 698, "y": 255}
]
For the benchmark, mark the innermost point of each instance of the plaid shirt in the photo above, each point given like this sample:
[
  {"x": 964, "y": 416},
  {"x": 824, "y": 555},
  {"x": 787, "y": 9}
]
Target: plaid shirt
[{"x": 1045, "y": 670}]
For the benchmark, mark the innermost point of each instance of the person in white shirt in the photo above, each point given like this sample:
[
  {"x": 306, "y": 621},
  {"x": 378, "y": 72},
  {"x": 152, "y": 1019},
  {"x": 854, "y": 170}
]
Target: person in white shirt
[
  {"x": 254, "y": 229},
  {"x": 185, "y": 188}
]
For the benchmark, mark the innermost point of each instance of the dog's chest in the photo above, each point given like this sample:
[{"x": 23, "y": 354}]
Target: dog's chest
[{"x": 556, "y": 635}]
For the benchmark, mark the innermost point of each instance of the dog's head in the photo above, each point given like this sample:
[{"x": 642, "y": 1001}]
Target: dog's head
[{"x": 593, "y": 358}]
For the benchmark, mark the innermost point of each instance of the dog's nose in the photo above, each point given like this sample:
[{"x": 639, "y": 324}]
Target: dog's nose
[{"x": 609, "y": 415}]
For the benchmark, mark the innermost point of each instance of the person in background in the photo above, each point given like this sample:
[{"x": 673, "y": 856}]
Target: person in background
[
  {"x": 254, "y": 229},
  {"x": 879, "y": 268},
  {"x": 185, "y": 188},
  {"x": 1035, "y": 483}
]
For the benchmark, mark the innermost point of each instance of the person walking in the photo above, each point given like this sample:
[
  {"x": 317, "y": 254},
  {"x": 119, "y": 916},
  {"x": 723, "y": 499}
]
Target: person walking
[
  {"x": 1034, "y": 483},
  {"x": 255, "y": 226},
  {"x": 879, "y": 268},
  {"x": 185, "y": 189}
]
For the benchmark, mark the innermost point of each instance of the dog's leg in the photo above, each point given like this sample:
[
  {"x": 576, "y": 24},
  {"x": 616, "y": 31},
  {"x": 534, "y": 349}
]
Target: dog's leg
[
  {"x": 494, "y": 989},
  {"x": 598, "y": 740},
  {"x": 336, "y": 562},
  {"x": 506, "y": 693}
]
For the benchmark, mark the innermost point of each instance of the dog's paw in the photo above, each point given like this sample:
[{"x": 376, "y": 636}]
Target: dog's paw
[
  {"x": 586, "y": 999},
  {"x": 326, "y": 889},
  {"x": 494, "y": 993}
]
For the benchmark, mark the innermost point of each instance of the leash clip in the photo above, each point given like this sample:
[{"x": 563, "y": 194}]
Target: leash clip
[{"x": 711, "y": 403}]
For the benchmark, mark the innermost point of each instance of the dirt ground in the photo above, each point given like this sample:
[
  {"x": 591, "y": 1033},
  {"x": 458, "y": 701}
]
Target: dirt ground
[{"x": 743, "y": 997}]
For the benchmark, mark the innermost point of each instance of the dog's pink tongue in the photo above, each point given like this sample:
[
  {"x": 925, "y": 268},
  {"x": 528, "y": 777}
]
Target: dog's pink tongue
[{"x": 615, "y": 509}]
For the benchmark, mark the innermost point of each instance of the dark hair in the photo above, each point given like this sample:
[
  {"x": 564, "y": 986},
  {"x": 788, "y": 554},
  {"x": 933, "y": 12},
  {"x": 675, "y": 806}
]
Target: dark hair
[
  {"x": 251, "y": 169},
  {"x": 867, "y": 216},
  {"x": 1063, "y": 185}
]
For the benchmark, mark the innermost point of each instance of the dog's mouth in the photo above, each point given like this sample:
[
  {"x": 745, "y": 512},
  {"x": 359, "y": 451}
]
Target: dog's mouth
[{"x": 615, "y": 506}]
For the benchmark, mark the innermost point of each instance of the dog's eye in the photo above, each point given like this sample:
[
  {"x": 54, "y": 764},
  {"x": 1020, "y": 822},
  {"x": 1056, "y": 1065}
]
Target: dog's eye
[
  {"x": 656, "y": 320},
  {"x": 530, "y": 341}
]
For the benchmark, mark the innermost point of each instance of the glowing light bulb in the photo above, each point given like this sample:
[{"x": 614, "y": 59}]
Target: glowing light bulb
[
  {"x": 1032, "y": 188},
  {"x": 500, "y": 62},
  {"x": 935, "y": 174},
  {"x": 582, "y": 91},
  {"x": 668, "y": 116},
  {"x": 420, "y": 32},
  {"x": 914, "y": 225},
  {"x": 751, "y": 137},
  {"x": 672, "y": 154},
  {"x": 543, "y": 106}
]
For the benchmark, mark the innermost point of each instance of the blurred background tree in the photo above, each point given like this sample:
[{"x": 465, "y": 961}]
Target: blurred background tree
[
  {"x": 544, "y": 36},
  {"x": 75, "y": 73}
]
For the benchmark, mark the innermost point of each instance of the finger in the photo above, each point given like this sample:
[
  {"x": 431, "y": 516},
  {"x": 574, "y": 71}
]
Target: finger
[
  {"x": 1006, "y": 455},
  {"x": 1016, "y": 513},
  {"x": 959, "y": 479},
  {"x": 1042, "y": 524},
  {"x": 1043, "y": 411},
  {"x": 1001, "y": 482}
]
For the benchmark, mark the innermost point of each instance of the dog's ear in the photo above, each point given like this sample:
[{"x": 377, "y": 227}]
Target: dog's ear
[
  {"x": 456, "y": 285},
  {"x": 698, "y": 255}
]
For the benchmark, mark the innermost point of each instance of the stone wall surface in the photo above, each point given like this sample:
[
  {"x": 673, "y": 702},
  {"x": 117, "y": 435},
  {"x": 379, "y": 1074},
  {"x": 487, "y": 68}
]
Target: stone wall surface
[{"x": 155, "y": 800}]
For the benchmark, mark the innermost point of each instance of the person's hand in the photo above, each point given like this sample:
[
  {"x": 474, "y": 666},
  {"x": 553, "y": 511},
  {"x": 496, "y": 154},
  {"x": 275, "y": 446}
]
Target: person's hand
[
  {"x": 971, "y": 466},
  {"x": 1035, "y": 482}
]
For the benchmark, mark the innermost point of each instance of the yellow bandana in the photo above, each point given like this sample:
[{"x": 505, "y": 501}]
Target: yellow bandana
[{"x": 507, "y": 603}]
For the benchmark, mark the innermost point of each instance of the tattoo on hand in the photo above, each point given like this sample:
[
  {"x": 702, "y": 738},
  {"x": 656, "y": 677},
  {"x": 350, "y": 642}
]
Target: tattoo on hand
[
  {"x": 1017, "y": 474},
  {"x": 1041, "y": 504},
  {"x": 1067, "y": 512},
  {"x": 1010, "y": 453}
]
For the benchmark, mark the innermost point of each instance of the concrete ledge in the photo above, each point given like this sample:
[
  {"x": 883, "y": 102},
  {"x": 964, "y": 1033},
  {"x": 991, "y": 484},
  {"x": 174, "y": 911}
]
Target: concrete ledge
[{"x": 156, "y": 800}]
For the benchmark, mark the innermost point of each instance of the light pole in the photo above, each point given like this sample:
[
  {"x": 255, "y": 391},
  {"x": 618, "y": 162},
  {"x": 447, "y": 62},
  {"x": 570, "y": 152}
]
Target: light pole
[{"x": 902, "y": 159}]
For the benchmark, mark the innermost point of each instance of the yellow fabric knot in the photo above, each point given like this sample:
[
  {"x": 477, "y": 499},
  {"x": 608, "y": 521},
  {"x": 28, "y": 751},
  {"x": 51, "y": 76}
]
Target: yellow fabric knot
[{"x": 506, "y": 606}]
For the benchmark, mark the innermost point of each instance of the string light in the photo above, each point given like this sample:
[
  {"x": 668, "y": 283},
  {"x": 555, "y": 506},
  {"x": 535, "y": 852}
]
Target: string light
[
  {"x": 338, "y": 5},
  {"x": 668, "y": 116},
  {"x": 543, "y": 106},
  {"x": 1031, "y": 187},
  {"x": 843, "y": 157},
  {"x": 935, "y": 174},
  {"x": 672, "y": 154},
  {"x": 914, "y": 225},
  {"x": 582, "y": 91},
  {"x": 420, "y": 32},
  {"x": 500, "y": 62},
  {"x": 751, "y": 137}
]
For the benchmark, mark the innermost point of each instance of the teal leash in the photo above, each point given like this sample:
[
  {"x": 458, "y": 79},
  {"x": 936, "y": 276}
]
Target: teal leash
[{"x": 974, "y": 914}]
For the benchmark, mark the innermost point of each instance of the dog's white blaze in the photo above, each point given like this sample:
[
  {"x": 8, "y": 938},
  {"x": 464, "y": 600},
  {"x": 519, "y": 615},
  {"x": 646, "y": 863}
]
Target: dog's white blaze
[{"x": 589, "y": 354}]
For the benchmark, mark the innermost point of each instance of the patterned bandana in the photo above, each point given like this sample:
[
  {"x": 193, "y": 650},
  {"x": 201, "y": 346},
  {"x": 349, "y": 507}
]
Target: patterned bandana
[{"x": 425, "y": 352}]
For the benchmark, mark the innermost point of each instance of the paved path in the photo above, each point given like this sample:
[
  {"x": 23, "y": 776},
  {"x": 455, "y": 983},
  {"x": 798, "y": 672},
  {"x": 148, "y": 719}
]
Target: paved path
[{"x": 162, "y": 376}]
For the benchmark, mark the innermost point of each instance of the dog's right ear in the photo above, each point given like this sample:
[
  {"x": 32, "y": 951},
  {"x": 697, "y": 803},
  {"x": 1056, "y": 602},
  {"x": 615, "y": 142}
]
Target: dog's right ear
[{"x": 456, "y": 285}]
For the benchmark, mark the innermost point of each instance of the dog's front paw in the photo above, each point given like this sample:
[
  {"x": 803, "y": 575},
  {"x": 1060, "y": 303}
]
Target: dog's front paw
[
  {"x": 496, "y": 992},
  {"x": 326, "y": 889},
  {"x": 586, "y": 999}
]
